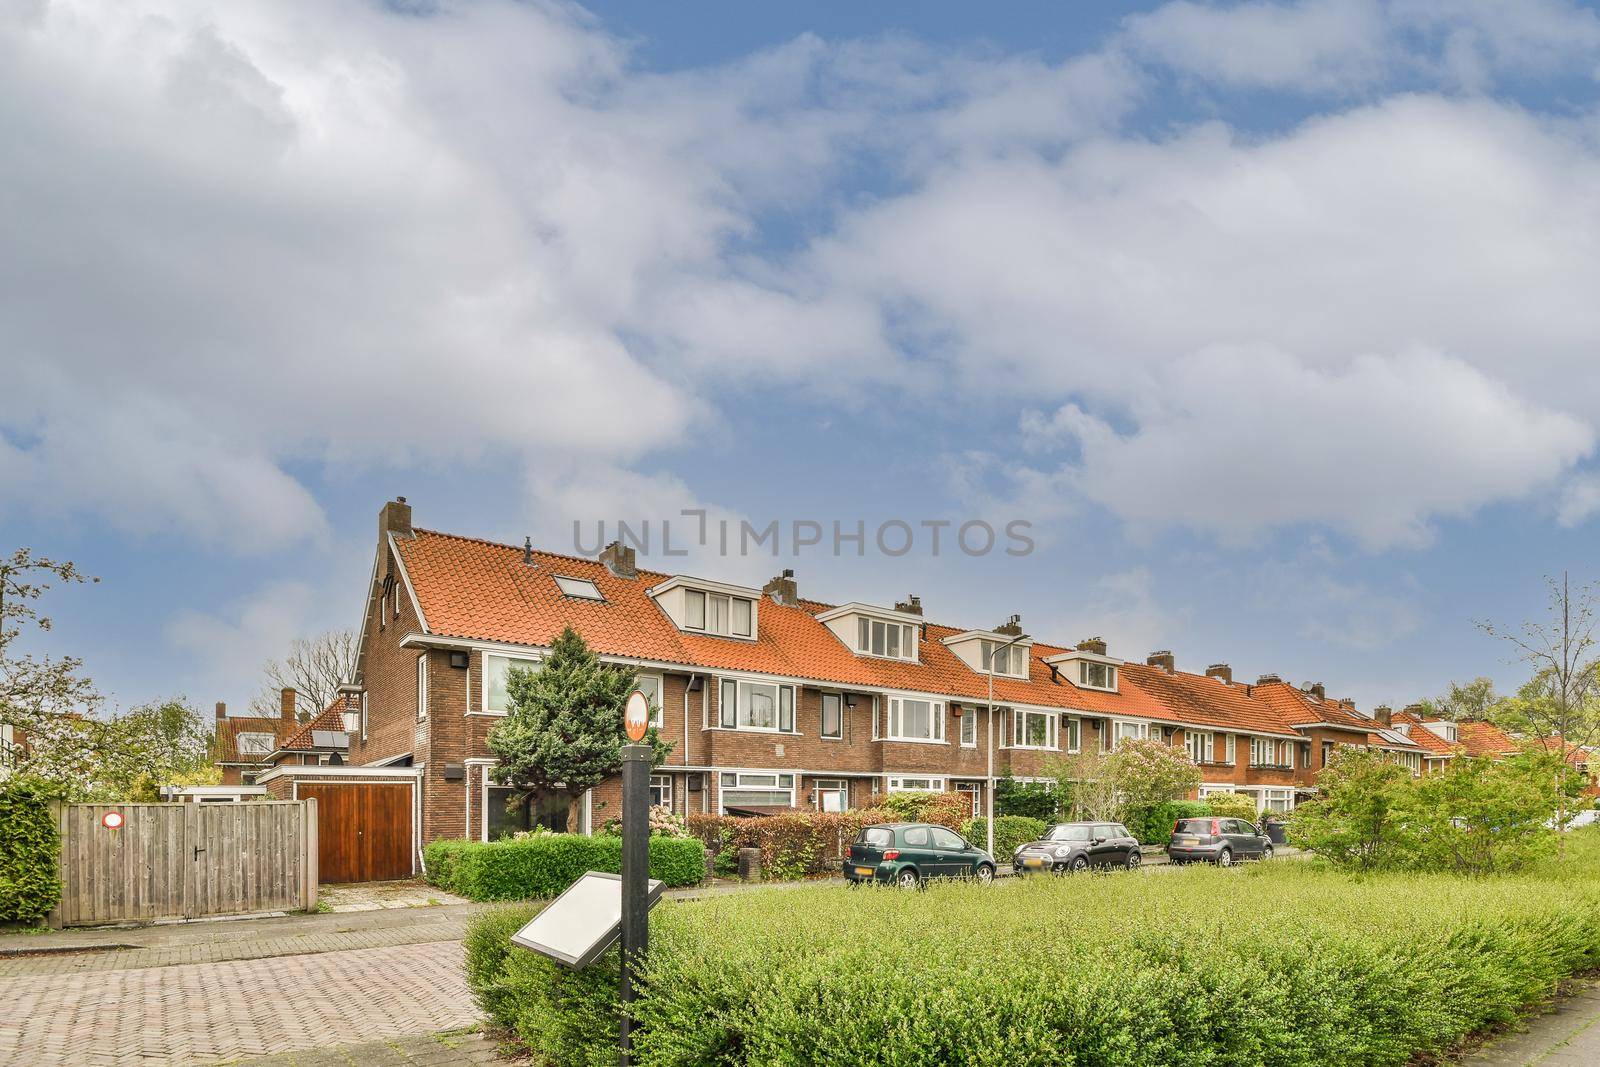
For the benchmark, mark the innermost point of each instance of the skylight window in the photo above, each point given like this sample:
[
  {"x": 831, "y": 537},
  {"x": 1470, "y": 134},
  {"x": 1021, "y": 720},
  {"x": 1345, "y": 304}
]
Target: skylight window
[{"x": 582, "y": 588}]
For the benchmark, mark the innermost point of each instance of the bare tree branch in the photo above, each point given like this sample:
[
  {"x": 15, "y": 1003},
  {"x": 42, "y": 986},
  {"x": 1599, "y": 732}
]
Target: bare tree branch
[{"x": 314, "y": 668}]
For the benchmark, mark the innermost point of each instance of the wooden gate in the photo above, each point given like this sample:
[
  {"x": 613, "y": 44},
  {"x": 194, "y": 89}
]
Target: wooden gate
[
  {"x": 363, "y": 831},
  {"x": 166, "y": 861}
]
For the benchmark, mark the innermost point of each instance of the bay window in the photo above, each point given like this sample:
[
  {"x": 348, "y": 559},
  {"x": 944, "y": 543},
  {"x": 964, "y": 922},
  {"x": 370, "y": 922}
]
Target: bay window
[
  {"x": 1033, "y": 729},
  {"x": 1269, "y": 752},
  {"x": 916, "y": 720},
  {"x": 756, "y": 706}
]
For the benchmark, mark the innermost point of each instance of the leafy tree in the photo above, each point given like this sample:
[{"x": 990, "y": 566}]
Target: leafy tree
[
  {"x": 161, "y": 743},
  {"x": 1561, "y": 705},
  {"x": 1480, "y": 815},
  {"x": 1360, "y": 816},
  {"x": 1035, "y": 800},
  {"x": 46, "y": 701},
  {"x": 1086, "y": 784},
  {"x": 1136, "y": 776},
  {"x": 1465, "y": 702},
  {"x": 563, "y": 733}
]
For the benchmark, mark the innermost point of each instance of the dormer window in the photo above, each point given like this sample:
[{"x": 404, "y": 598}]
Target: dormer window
[
  {"x": 712, "y": 608},
  {"x": 1097, "y": 676},
  {"x": 983, "y": 650},
  {"x": 1010, "y": 660},
  {"x": 1088, "y": 669},
  {"x": 871, "y": 631},
  {"x": 581, "y": 588}
]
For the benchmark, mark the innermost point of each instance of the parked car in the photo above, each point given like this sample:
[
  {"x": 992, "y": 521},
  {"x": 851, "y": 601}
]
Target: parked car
[
  {"x": 1219, "y": 841},
  {"x": 908, "y": 853},
  {"x": 1077, "y": 846}
]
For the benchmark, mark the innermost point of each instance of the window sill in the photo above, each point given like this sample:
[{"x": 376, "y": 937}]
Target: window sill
[
  {"x": 915, "y": 741},
  {"x": 1033, "y": 748},
  {"x": 755, "y": 730}
]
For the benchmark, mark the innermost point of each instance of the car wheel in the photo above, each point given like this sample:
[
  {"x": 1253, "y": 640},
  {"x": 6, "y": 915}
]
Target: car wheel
[
  {"x": 1266, "y": 853},
  {"x": 1225, "y": 858},
  {"x": 908, "y": 878},
  {"x": 1079, "y": 863},
  {"x": 1134, "y": 859},
  {"x": 985, "y": 873}
]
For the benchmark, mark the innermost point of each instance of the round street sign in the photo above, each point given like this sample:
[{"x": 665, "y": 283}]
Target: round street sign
[
  {"x": 111, "y": 820},
  {"x": 637, "y": 717}
]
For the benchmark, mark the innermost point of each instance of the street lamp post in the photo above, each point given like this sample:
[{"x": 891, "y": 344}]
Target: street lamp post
[{"x": 988, "y": 792}]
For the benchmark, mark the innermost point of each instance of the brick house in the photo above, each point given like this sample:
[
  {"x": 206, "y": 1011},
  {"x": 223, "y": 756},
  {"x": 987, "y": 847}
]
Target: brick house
[
  {"x": 771, "y": 700},
  {"x": 246, "y": 744}
]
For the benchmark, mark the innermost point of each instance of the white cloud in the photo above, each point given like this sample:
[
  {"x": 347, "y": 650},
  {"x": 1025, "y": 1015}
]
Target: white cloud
[
  {"x": 1580, "y": 500},
  {"x": 226, "y": 649}
]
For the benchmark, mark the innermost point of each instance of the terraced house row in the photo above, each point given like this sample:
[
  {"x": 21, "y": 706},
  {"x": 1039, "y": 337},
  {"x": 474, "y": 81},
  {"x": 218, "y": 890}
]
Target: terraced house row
[{"x": 773, "y": 701}]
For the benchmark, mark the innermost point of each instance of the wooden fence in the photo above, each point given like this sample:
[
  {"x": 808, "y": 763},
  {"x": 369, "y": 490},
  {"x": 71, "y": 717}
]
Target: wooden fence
[{"x": 167, "y": 861}]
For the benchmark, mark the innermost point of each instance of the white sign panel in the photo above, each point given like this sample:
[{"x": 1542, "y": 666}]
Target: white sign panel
[{"x": 582, "y": 922}]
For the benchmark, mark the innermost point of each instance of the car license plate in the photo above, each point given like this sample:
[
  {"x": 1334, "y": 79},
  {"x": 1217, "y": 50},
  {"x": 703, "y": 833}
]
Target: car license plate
[
  {"x": 863, "y": 870},
  {"x": 1032, "y": 861},
  {"x": 1188, "y": 841}
]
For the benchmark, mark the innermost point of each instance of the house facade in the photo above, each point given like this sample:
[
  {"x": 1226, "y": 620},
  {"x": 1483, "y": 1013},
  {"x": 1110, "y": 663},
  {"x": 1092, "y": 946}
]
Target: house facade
[{"x": 774, "y": 701}]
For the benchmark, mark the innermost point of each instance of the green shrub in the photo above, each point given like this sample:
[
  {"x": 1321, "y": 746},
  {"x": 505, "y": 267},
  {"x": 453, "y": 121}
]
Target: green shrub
[
  {"x": 1394, "y": 968},
  {"x": 806, "y": 842},
  {"x": 545, "y": 864},
  {"x": 30, "y": 849},
  {"x": 1152, "y": 825},
  {"x": 1011, "y": 832},
  {"x": 1034, "y": 800},
  {"x": 1233, "y": 806}
]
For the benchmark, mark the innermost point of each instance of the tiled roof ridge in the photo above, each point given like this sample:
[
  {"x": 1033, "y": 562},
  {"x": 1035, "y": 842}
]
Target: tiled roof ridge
[{"x": 536, "y": 551}]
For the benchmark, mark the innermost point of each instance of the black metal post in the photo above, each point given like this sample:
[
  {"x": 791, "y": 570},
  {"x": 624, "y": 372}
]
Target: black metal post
[{"x": 636, "y": 763}]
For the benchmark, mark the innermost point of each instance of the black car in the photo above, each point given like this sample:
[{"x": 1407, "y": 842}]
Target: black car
[
  {"x": 1077, "y": 846},
  {"x": 1219, "y": 841}
]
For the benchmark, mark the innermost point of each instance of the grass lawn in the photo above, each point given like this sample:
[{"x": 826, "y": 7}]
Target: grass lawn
[{"x": 1282, "y": 963}]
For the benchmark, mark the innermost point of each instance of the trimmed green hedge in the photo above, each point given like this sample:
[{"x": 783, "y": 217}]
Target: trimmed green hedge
[
  {"x": 1152, "y": 825},
  {"x": 542, "y": 866},
  {"x": 1011, "y": 832},
  {"x": 1299, "y": 965},
  {"x": 30, "y": 847}
]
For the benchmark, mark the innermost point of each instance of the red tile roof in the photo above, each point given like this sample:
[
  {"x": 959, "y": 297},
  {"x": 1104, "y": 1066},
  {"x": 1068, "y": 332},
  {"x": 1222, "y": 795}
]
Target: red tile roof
[
  {"x": 330, "y": 718},
  {"x": 1486, "y": 739},
  {"x": 230, "y": 727}
]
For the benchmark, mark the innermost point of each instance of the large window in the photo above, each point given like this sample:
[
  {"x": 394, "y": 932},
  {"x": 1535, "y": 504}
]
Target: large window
[
  {"x": 496, "y": 671},
  {"x": 1201, "y": 745},
  {"x": 893, "y": 640},
  {"x": 1267, "y": 752},
  {"x": 1133, "y": 731},
  {"x": 916, "y": 720},
  {"x": 916, "y": 785},
  {"x": 1007, "y": 659},
  {"x": 832, "y": 715},
  {"x": 1033, "y": 729},
  {"x": 756, "y": 706},
  {"x": 504, "y": 813},
  {"x": 756, "y": 789},
  {"x": 718, "y": 613},
  {"x": 1279, "y": 800},
  {"x": 832, "y": 794},
  {"x": 1094, "y": 675},
  {"x": 661, "y": 790},
  {"x": 969, "y": 728}
]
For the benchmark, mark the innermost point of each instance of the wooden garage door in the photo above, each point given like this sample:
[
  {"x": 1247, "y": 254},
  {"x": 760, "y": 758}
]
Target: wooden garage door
[{"x": 363, "y": 830}]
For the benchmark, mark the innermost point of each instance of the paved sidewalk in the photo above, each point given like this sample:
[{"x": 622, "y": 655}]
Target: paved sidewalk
[
  {"x": 434, "y": 1050},
  {"x": 1567, "y": 1036}
]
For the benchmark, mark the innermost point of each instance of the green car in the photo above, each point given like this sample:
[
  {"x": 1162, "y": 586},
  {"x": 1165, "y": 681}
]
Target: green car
[{"x": 907, "y": 853}]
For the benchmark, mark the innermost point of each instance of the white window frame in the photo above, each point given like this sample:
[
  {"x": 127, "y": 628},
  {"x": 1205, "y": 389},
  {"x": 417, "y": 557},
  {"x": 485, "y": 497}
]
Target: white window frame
[
  {"x": 975, "y": 790},
  {"x": 784, "y": 698},
  {"x": 271, "y": 743},
  {"x": 831, "y": 785},
  {"x": 707, "y": 601},
  {"x": 868, "y": 630},
  {"x": 822, "y": 716},
  {"x": 1268, "y": 798},
  {"x": 969, "y": 728},
  {"x": 1229, "y": 747},
  {"x": 661, "y": 782},
  {"x": 529, "y": 662},
  {"x": 1016, "y": 658},
  {"x": 658, "y": 709},
  {"x": 1201, "y": 745},
  {"x": 582, "y": 587},
  {"x": 1140, "y": 730},
  {"x": 738, "y": 784},
  {"x": 422, "y": 687},
  {"x": 1074, "y": 735},
  {"x": 897, "y": 783},
  {"x": 894, "y": 716},
  {"x": 1021, "y": 716},
  {"x": 1083, "y": 676}
]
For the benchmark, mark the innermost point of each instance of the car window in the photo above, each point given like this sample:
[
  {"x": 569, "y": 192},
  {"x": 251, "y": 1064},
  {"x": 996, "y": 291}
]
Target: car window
[
  {"x": 944, "y": 838},
  {"x": 1232, "y": 826},
  {"x": 1194, "y": 826},
  {"x": 880, "y": 836},
  {"x": 1105, "y": 831},
  {"x": 1121, "y": 831},
  {"x": 916, "y": 835},
  {"x": 1067, "y": 833}
]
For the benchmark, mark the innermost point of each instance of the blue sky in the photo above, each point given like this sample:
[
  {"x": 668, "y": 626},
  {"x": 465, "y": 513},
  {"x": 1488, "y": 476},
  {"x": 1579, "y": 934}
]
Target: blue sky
[{"x": 1275, "y": 321}]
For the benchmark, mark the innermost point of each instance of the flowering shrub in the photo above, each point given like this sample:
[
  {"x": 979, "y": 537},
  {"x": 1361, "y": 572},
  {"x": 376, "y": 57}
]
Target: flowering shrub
[
  {"x": 663, "y": 823},
  {"x": 945, "y": 809}
]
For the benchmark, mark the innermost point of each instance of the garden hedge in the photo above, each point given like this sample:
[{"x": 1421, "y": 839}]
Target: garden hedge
[
  {"x": 1297, "y": 964},
  {"x": 543, "y": 865},
  {"x": 30, "y": 848},
  {"x": 1011, "y": 832},
  {"x": 1152, "y": 825}
]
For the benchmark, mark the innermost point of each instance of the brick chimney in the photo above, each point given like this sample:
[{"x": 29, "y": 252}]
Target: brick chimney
[
  {"x": 286, "y": 704},
  {"x": 1347, "y": 703},
  {"x": 1384, "y": 714},
  {"x": 395, "y": 518},
  {"x": 1096, "y": 645},
  {"x": 1012, "y": 627},
  {"x": 1221, "y": 672},
  {"x": 620, "y": 560},
  {"x": 783, "y": 589},
  {"x": 1418, "y": 710},
  {"x": 911, "y": 605},
  {"x": 1316, "y": 691},
  {"x": 1268, "y": 679},
  {"x": 1163, "y": 659}
]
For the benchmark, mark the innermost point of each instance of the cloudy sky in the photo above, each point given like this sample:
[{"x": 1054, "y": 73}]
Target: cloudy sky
[{"x": 1276, "y": 321}]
